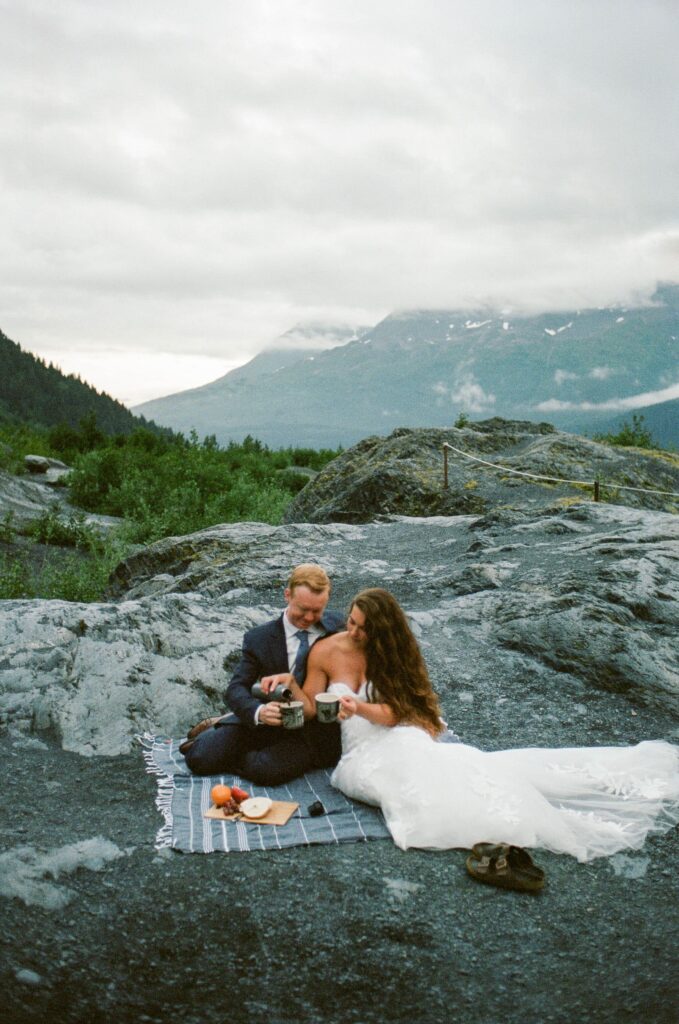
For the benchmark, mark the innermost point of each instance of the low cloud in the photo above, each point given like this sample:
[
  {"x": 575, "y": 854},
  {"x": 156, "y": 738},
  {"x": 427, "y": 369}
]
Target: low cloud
[
  {"x": 611, "y": 404},
  {"x": 319, "y": 336},
  {"x": 469, "y": 396},
  {"x": 560, "y": 376}
]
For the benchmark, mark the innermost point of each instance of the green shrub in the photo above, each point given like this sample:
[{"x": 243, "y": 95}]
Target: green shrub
[
  {"x": 15, "y": 580},
  {"x": 178, "y": 485},
  {"x": 291, "y": 481},
  {"x": 630, "y": 435},
  {"x": 52, "y": 528},
  {"x": 63, "y": 576},
  {"x": 16, "y": 441},
  {"x": 7, "y": 527},
  {"x": 158, "y": 485},
  {"x": 75, "y": 579}
]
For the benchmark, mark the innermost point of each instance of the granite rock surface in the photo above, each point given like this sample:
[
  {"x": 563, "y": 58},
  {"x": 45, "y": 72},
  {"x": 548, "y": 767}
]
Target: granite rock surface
[{"x": 560, "y": 603}]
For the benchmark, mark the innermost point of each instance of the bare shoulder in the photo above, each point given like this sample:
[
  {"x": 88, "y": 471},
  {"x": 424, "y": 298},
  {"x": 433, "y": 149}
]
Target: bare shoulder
[{"x": 325, "y": 648}]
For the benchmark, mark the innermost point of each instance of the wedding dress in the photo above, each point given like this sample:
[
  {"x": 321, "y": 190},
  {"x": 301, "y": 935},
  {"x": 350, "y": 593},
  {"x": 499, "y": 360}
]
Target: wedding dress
[{"x": 585, "y": 801}]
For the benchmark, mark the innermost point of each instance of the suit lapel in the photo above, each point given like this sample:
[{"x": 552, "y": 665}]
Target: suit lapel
[{"x": 279, "y": 645}]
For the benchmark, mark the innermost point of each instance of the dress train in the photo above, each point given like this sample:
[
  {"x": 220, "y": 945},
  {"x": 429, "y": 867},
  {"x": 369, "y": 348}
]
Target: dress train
[{"x": 584, "y": 801}]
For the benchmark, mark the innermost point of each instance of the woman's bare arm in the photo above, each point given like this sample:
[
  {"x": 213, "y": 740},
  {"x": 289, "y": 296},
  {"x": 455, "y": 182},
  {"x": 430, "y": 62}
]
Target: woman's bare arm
[
  {"x": 316, "y": 680},
  {"x": 378, "y": 714}
]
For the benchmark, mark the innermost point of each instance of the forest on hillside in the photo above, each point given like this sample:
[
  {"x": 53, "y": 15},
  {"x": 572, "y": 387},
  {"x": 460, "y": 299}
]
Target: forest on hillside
[{"x": 36, "y": 392}]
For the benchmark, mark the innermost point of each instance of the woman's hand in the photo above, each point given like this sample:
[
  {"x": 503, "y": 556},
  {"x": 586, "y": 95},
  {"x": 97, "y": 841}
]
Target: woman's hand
[{"x": 348, "y": 708}]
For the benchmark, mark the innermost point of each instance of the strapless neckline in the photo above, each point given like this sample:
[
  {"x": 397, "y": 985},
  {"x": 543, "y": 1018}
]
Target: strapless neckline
[{"x": 338, "y": 684}]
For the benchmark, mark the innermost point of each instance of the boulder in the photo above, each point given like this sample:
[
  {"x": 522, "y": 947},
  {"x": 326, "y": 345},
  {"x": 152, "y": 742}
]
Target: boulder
[
  {"x": 96, "y": 675},
  {"x": 51, "y": 471},
  {"x": 23, "y": 500},
  {"x": 36, "y": 463},
  {"x": 404, "y": 473}
]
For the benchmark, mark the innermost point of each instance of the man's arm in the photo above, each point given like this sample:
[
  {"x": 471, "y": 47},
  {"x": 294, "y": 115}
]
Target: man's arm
[{"x": 238, "y": 693}]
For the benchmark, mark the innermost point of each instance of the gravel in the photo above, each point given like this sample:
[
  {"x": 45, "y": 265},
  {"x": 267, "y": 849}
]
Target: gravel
[{"x": 362, "y": 933}]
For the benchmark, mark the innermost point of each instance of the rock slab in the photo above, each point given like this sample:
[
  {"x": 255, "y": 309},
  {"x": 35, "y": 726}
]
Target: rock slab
[{"x": 536, "y": 612}]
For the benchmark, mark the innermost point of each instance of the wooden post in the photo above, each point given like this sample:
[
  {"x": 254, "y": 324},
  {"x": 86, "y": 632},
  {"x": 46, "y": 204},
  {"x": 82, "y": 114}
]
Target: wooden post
[
  {"x": 596, "y": 490},
  {"x": 445, "y": 467}
]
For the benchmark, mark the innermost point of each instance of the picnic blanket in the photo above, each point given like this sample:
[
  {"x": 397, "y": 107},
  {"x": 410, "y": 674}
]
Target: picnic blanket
[{"x": 183, "y": 798}]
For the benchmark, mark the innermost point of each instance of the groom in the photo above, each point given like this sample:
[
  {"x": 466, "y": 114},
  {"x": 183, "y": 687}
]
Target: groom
[{"x": 251, "y": 741}]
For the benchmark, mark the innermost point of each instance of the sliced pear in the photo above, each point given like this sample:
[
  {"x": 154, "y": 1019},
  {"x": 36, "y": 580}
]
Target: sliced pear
[{"x": 256, "y": 806}]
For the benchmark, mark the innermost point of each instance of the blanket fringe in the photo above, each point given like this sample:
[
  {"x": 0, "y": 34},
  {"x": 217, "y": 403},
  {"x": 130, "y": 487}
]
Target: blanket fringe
[{"x": 165, "y": 790}]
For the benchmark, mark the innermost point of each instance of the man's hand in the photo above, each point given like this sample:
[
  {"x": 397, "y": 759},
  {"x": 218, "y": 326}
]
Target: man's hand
[
  {"x": 270, "y": 714},
  {"x": 269, "y": 683}
]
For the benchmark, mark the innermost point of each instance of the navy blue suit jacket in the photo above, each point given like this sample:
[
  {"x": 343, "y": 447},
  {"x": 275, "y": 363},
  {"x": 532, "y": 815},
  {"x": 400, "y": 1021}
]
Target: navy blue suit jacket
[{"x": 265, "y": 653}]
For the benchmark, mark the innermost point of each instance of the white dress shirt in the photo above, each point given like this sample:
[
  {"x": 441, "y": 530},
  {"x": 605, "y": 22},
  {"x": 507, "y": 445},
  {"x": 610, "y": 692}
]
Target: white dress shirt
[
  {"x": 292, "y": 640},
  {"x": 292, "y": 643}
]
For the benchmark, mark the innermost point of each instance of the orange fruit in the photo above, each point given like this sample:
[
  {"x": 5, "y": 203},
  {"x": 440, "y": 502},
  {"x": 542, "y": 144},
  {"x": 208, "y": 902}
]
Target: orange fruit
[{"x": 220, "y": 795}]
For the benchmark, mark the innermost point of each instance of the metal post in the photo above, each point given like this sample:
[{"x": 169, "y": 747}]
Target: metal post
[
  {"x": 596, "y": 490},
  {"x": 445, "y": 467}
]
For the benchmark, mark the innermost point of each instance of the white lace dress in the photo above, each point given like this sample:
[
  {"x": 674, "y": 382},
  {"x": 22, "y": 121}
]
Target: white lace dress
[{"x": 585, "y": 801}]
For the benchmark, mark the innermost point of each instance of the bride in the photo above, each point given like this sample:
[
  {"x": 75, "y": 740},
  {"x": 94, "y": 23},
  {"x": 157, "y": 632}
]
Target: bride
[{"x": 584, "y": 801}]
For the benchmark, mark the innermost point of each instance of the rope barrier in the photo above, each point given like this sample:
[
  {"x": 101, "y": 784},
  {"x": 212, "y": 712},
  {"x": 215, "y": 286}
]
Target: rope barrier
[{"x": 552, "y": 479}]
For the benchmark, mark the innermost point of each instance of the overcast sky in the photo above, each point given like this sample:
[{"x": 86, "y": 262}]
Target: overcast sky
[{"x": 183, "y": 182}]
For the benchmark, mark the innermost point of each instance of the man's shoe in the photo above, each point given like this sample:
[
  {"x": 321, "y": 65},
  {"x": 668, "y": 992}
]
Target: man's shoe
[{"x": 195, "y": 731}]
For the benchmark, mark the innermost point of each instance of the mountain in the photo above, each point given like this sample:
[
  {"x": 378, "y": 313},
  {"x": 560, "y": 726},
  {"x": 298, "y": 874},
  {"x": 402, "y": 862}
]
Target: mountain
[
  {"x": 33, "y": 392},
  {"x": 425, "y": 367}
]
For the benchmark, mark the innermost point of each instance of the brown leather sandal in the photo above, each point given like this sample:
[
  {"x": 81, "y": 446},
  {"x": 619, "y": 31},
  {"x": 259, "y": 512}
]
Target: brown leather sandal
[{"x": 505, "y": 866}]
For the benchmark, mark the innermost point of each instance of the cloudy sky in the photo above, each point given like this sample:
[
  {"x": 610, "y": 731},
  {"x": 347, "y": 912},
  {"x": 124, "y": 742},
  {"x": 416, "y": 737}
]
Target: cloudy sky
[{"x": 183, "y": 182}]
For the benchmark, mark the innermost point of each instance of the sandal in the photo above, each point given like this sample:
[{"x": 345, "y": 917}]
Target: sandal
[
  {"x": 520, "y": 860},
  {"x": 490, "y": 850},
  {"x": 507, "y": 867}
]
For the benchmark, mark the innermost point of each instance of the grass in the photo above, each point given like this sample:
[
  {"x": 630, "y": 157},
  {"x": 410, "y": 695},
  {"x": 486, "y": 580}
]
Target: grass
[
  {"x": 32, "y": 570},
  {"x": 58, "y": 556}
]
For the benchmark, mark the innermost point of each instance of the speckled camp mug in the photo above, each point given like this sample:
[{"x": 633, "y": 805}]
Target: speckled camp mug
[
  {"x": 327, "y": 707},
  {"x": 292, "y": 714}
]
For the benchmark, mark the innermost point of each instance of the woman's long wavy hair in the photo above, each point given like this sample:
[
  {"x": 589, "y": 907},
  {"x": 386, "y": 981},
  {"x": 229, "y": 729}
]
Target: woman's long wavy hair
[{"x": 395, "y": 665}]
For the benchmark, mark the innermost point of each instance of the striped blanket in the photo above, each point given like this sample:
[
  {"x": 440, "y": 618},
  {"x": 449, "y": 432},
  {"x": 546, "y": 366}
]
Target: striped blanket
[{"x": 183, "y": 798}]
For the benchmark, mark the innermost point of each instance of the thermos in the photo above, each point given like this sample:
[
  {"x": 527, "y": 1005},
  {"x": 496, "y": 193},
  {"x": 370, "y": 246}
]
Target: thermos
[{"x": 282, "y": 693}]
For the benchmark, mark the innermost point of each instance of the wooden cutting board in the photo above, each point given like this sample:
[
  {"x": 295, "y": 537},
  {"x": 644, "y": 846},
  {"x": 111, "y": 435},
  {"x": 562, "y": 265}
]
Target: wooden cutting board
[{"x": 279, "y": 813}]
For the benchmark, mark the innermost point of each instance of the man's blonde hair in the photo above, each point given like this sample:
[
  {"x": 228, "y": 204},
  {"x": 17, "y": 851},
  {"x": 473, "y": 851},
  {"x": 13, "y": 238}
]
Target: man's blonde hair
[{"x": 309, "y": 575}]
